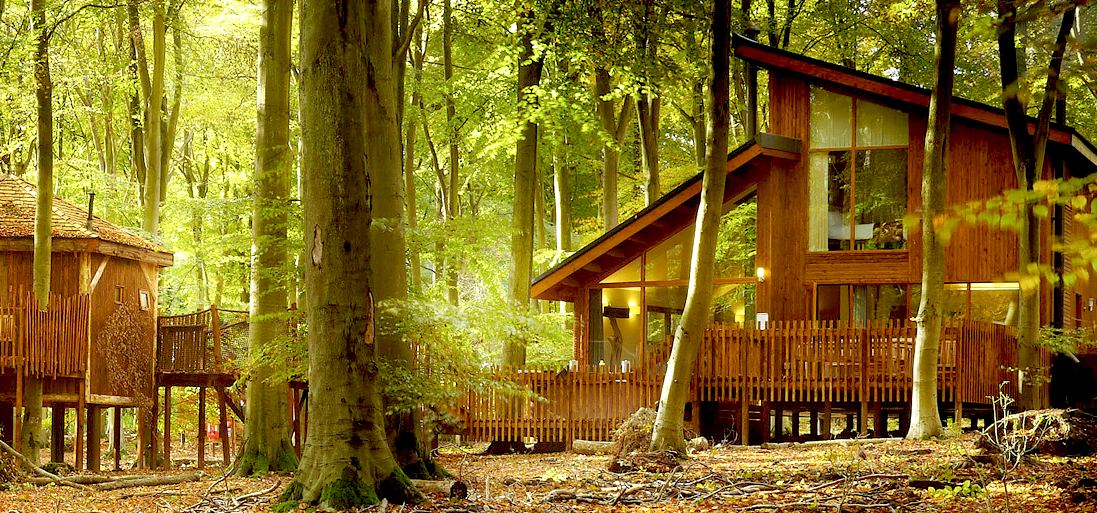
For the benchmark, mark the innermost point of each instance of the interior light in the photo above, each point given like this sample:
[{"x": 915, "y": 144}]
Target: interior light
[{"x": 761, "y": 272}]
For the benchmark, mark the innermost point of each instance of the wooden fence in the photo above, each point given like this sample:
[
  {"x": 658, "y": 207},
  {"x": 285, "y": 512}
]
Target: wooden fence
[
  {"x": 53, "y": 343},
  {"x": 201, "y": 342},
  {"x": 788, "y": 362}
]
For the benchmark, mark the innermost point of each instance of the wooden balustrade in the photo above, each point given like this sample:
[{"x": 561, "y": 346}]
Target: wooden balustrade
[
  {"x": 53, "y": 343},
  {"x": 788, "y": 362}
]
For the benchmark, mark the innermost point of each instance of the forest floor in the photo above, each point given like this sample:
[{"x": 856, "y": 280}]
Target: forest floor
[{"x": 875, "y": 476}]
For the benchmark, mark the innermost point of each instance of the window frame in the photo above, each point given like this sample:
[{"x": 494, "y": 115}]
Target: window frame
[{"x": 852, "y": 150}]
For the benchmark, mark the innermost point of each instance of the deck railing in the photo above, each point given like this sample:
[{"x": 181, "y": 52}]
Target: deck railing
[
  {"x": 198, "y": 342},
  {"x": 53, "y": 343},
  {"x": 787, "y": 362}
]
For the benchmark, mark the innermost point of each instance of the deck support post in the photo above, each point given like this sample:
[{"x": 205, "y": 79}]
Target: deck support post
[
  {"x": 18, "y": 420},
  {"x": 958, "y": 415},
  {"x": 814, "y": 420},
  {"x": 223, "y": 428},
  {"x": 57, "y": 434},
  {"x": 95, "y": 430},
  {"x": 81, "y": 408},
  {"x": 765, "y": 422},
  {"x": 778, "y": 423},
  {"x": 879, "y": 420},
  {"x": 167, "y": 428},
  {"x": 117, "y": 434},
  {"x": 904, "y": 420},
  {"x": 795, "y": 424},
  {"x": 744, "y": 418},
  {"x": 828, "y": 422},
  {"x": 201, "y": 428}
]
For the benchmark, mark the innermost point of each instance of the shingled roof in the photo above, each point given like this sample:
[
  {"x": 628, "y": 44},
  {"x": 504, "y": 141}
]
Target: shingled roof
[{"x": 69, "y": 223}]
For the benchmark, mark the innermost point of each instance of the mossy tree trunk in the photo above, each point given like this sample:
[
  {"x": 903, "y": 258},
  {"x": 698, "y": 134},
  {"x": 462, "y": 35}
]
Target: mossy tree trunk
[
  {"x": 348, "y": 128},
  {"x": 667, "y": 433},
  {"x": 32, "y": 439},
  {"x": 925, "y": 420},
  {"x": 267, "y": 446}
]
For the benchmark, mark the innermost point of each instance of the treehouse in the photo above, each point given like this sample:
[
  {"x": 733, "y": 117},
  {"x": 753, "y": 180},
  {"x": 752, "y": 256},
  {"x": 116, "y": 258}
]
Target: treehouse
[
  {"x": 93, "y": 347},
  {"x": 816, "y": 275}
]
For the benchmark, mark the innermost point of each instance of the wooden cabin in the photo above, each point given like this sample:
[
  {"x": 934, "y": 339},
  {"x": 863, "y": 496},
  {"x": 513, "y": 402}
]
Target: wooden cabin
[
  {"x": 94, "y": 346},
  {"x": 816, "y": 274}
]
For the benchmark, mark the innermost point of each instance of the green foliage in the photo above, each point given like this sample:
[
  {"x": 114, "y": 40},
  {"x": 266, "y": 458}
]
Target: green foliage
[{"x": 456, "y": 347}]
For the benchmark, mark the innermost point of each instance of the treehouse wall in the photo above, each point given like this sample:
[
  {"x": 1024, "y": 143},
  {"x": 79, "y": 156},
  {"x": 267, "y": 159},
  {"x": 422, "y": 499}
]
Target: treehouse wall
[
  {"x": 17, "y": 271},
  {"x": 123, "y": 327},
  {"x": 980, "y": 167}
]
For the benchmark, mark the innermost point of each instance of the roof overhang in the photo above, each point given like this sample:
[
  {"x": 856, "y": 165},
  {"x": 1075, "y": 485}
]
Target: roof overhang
[
  {"x": 158, "y": 258},
  {"x": 886, "y": 90},
  {"x": 658, "y": 221}
]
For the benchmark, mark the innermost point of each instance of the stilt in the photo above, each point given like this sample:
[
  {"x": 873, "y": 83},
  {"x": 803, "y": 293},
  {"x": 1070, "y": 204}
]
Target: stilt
[
  {"x": 95, "y": 430},
  {"x": 904, "y": 421},
  {"x": 167, "y": 428},
  {"x": 18, "y": 420},
  {"x": 223, "y": 429},
  {"x": 828, "y": 421},
  {"x": 117, "y": 438},
  {"x": 849, "y": 423},
  {"x": 57, "y": 434},
  {"x": 795, "y": 424},
  {"x": 201, "y": 428},
  {"x": 744, "y": 421},
  {"x": 81, "y": 411},
  {"x": 152, "y": 445},
  {"x": 879, "y": 420},
  {"x": 813, "y": 417},
  {"x": 958, "y": 415},
  {"x": 766, "y": 435},
  {"x": 862, "y": 418},
  {"x": 778, "y": 424}
]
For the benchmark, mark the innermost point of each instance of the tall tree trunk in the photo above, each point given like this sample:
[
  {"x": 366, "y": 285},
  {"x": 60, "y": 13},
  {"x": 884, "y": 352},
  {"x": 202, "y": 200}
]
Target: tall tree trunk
[
  {"x": 43, "y": 93},
  {"x": 150, "y": 220},
  {"x": 525, "y": 174},
  {"x": 33, "y": 439},
  {"x": 452, "y": 205},
  {"x": 615, "y": 127},
  {"x": 647, "y": 112},
  {"x": 925, "y": 420},
  {"x": 349, "y": 132},
  {"x": 267, "y": 444},
  {"x": 412, "y": 130},
  {"x": 667, "y": 433},
  {"x": 1028, "y": 162},
  {"x": 561, "y": 185}
]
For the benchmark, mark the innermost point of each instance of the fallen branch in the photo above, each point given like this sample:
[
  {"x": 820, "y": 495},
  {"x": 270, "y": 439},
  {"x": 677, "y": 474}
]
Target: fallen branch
[
  {"x": 38, "y": 470},
  {"x": 148, "y": 481},
  {"x": 842, "y": 441},
  {"x": 591, "y": 447}
]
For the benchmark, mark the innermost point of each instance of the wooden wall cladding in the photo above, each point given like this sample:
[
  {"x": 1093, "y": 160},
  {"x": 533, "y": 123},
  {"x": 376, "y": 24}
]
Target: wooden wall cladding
[
  {"x": 122, "y": 334},
  {"x": 858, "y": 267},
  {"x": 18, "y": 267}
]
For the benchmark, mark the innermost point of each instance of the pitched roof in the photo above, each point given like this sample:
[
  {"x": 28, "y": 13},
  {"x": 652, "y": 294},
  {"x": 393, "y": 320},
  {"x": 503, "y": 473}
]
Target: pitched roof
[
  {"x": 655, "y": 223},
  {"x": 892, "y": 91},
  {"x": 18, "y": 200}
]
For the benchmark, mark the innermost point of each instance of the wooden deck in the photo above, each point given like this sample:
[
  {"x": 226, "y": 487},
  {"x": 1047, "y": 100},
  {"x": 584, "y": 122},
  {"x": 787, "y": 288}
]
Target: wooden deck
[
  {"x": 48, "y": 344},
  {"x": 795, "y": 366}
]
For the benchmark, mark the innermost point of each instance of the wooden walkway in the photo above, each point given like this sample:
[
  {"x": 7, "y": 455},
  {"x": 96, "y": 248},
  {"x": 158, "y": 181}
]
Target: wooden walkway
[{"x": 795, "y": 366}]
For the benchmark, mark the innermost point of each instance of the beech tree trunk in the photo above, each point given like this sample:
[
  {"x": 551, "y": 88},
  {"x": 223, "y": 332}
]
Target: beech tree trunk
[
  {"x": 412, "y": 130},
  {"x": 267, "y": 444},
  {"x": 349, "y": 131},
  {"x": 525, "y": 174},
  {"x": 150, "y": 220},
  {"x": 43, "y": 230},
  {"x": 925, "y": 419},
  {"x": 615, "y": 127},
  {"x": 33, "y": 440},
  {"x": 453, "y": 188},
  {"x": 1028, "y": 162},
  {"x": 667, "y": 433}
]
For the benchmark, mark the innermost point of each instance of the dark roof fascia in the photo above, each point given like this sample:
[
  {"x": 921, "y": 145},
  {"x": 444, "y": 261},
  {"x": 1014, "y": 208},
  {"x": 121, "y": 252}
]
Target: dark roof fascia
[
  {"x": 739, "y": 41},
  {"x": 764, "y": 140}
]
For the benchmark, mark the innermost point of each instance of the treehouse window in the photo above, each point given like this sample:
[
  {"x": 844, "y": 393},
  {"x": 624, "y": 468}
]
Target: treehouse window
[
  {"x": 857, "y": 173},
  {"x": 861, "y": 303},
  {"x": 144, "y": 297},
  {"x": 119, "y": 294}
]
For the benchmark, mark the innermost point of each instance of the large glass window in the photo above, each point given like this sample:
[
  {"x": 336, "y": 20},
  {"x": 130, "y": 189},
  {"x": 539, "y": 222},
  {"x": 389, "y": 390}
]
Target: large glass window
[
  {"x": 857, "y": 174},
  {"x": 861, "y": 303}
]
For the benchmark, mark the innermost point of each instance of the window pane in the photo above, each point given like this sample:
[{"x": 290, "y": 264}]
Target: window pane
[
  {"x": 733, "y": 303},
  {"x": 737, "y": 242},
  {"x": 621, "y": 325},
  {"x": 881, "y": 196},
  {"x": 880, "y": 126},
  {"x": 670, "y": 259},
  {"x": 831, "y": 123},
  {"x": 867, "y": 303},
  {"x": 629, "y": 273},
  {"x": 664, "y": 305},
  {"x": 955, "y": 306},
  {"x": 995, "y": 302},
  {"x": 829, "y": 211}
]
